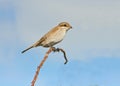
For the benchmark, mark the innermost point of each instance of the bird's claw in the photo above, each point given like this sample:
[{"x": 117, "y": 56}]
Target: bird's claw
[{"x": 55, "y": 49}]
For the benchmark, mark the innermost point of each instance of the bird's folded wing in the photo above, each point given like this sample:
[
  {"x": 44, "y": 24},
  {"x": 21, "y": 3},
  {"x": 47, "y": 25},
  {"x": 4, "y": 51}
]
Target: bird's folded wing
[{"x": 39, "y": 42}]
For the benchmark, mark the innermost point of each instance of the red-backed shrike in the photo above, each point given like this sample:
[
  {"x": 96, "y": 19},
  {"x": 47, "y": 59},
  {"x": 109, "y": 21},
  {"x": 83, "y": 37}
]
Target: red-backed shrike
[{"x": 53, "y": 37}]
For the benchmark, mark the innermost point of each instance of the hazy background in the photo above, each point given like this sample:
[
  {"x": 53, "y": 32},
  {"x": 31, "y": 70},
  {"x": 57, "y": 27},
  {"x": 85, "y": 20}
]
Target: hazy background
[{"x": 92, "y": 46}]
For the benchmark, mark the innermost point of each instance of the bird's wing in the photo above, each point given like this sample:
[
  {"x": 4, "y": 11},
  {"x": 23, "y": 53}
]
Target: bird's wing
[
  {"x": 38, "y": 43},
  {"x": 46, "y": 36}
]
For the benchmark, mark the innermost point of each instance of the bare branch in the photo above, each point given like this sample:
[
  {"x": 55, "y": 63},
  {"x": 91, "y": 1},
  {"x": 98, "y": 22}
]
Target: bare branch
[
  {"x": 40, "y": 65},
  {"x": 60, "y": 49},
  {"x": 44, "y": 59}
]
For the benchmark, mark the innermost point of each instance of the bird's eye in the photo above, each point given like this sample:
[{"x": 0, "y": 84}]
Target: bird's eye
[{"x": 65, "y": 25}]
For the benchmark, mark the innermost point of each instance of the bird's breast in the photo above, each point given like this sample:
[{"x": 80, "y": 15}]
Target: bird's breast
[
  {"x": 55, "y": 37},
  {"x": 59, "y": 35}
]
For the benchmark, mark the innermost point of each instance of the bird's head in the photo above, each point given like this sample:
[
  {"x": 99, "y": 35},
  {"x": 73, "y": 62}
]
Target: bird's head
[{"x": 65, "y": 25}]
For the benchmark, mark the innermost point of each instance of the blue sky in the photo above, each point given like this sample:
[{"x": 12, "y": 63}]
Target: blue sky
[{"x": 92, "y": 46}]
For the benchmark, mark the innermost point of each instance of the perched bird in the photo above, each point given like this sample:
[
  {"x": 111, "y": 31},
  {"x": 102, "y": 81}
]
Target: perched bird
[{"x": 53, "y": 37}]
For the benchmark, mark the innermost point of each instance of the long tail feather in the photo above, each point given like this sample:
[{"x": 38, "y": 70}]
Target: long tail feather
[{"x": 27, "y": 49}]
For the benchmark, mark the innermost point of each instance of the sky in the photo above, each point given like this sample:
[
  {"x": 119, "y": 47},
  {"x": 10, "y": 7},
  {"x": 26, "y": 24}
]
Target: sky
[{"x": 92, "y": 46}]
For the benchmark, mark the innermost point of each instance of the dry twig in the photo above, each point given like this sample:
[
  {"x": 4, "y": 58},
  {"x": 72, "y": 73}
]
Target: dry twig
[{"x": 44, "y": 59}]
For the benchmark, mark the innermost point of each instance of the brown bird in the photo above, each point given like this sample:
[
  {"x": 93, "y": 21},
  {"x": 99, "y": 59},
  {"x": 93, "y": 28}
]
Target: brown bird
[{"x": 53, "y": 37}]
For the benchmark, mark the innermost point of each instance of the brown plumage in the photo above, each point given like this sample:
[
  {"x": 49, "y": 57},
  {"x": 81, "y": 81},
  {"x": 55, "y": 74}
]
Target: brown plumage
[{"x": 53, "y": 37}]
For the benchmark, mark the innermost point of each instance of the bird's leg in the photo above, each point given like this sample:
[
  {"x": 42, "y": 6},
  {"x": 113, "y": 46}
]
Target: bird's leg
[{"x": 55, "y": 49}]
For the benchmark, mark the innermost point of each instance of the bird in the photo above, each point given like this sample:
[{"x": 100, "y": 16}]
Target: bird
[{"x": 52, "y": 37}]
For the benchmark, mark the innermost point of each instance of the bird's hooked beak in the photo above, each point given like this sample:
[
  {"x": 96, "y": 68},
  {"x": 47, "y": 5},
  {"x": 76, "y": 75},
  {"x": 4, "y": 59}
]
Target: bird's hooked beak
[{"x": 70, "y": 27}]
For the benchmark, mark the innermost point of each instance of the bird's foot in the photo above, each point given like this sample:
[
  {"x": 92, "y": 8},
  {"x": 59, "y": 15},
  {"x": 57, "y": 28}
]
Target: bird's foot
[{"x": 55, "y": 49}]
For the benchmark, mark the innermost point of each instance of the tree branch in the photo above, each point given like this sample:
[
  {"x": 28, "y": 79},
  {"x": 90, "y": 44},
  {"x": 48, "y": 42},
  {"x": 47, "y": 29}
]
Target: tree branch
[{"x": 44, "y": 59}]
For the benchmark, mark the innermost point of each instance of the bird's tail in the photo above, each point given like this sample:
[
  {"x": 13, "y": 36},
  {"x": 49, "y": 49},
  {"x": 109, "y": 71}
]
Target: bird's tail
[{"x": 27, "y": 49}]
